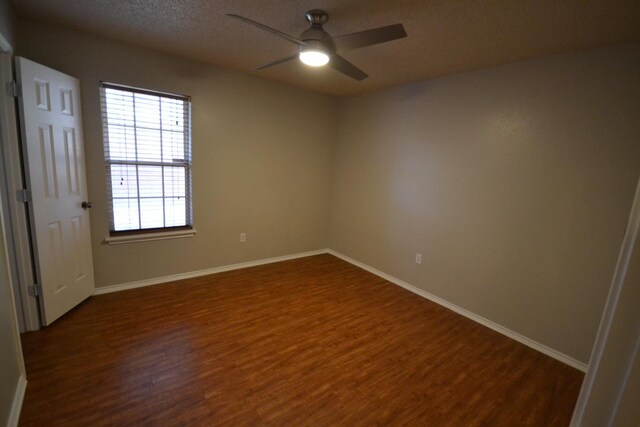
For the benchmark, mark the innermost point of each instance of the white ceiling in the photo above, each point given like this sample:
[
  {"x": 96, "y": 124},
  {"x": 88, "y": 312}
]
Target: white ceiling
[{"x": 444, "y": 36}]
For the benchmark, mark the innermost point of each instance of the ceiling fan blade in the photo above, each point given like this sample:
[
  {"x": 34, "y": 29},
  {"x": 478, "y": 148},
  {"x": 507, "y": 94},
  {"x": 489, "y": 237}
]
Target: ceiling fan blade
[
  {"x": 269, "y": 29},
  {"x": 338, "y": 63},
  {"x": 369, "y": 37},
  {"x": 279, "y": 61}
]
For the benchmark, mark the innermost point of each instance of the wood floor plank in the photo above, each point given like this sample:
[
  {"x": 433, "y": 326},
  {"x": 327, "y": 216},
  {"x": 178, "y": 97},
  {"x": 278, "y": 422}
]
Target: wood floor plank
[{"x": 314, "y": 341}]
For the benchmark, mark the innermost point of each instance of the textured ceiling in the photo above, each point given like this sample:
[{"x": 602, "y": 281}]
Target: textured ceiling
[{"x": 444, "y": 36}]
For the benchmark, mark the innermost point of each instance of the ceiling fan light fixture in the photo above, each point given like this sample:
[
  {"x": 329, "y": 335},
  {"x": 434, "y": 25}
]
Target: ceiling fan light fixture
[{"x": 314, "y": 58}]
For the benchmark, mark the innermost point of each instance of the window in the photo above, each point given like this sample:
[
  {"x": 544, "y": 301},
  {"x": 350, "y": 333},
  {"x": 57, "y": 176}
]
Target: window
[{"x": 147, "y": 150}]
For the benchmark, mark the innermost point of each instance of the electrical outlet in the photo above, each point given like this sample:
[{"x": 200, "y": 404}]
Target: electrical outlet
[
  {"x": 243, "y": 237},
  {"x": 418, "y": 258}
]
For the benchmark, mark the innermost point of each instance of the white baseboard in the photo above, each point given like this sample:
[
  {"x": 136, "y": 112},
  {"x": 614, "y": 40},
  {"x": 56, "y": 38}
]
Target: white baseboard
[
  {"x": 18, "y": 398},
  {"x": 205, "y": 272},
  {"x": 488, "y": 323}
]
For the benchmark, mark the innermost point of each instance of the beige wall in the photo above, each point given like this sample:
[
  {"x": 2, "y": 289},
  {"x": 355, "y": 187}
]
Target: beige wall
[
  {"x": 514, "y": 182},
  {"x": 261, "y": 153}
]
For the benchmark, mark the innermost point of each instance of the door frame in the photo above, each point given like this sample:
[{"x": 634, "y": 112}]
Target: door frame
[
  {"x": 613, "y": 314},
  {"x": 15, "y": 212}
]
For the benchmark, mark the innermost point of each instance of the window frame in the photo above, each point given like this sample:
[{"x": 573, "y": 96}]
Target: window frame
[{"x": 140, "y": 234}]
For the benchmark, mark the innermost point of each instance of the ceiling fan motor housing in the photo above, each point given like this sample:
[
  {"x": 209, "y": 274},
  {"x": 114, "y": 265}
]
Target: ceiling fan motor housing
[{"x": 315, "y": 37}]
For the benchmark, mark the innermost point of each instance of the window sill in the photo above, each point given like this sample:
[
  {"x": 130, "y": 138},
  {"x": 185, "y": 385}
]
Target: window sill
[{"x": 137, "y": 238}]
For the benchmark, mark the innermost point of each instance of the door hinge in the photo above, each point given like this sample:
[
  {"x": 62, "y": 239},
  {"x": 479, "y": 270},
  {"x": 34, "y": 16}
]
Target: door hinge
[
  {"x": 23, "y": 195},
  {"x": 14, "y": 89},
  {"x": 34, "y": 290}
]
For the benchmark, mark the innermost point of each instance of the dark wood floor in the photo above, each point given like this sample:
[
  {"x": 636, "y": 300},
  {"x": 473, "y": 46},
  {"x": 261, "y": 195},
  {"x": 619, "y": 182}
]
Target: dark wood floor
[{"x": 314, "y": 341}]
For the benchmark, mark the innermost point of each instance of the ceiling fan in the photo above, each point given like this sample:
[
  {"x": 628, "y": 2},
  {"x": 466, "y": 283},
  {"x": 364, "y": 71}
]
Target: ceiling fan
[{"x": 318, "y": 48}]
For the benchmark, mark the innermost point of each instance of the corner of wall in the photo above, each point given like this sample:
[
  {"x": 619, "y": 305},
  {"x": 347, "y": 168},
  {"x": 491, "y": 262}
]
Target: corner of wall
[
  {"x": 7, "y": 19},
  {"x": 18, "y": 399}
]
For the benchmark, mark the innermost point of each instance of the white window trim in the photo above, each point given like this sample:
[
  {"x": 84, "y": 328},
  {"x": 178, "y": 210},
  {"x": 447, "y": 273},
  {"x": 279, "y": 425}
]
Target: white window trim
[
  {"x": 147, "y": 237},
  {"x": 161, "y": 233}
]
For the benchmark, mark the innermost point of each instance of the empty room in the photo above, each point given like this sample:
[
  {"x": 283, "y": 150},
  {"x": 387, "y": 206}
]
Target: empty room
[{"x": 328, "y": 213}]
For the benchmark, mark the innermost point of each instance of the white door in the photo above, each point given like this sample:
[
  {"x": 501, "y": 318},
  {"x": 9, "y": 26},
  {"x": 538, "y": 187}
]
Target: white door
[{"x": 51, "y": 126}]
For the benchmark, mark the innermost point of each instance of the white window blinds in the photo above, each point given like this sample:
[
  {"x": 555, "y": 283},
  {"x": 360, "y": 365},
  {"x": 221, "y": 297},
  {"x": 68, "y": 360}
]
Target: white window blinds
[{"x": 147, "y": 149}]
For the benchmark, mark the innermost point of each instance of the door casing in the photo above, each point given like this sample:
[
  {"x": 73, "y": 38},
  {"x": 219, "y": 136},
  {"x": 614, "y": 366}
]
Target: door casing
[{"x": 15, "y": 211}]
